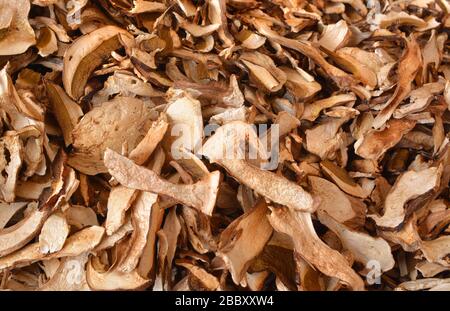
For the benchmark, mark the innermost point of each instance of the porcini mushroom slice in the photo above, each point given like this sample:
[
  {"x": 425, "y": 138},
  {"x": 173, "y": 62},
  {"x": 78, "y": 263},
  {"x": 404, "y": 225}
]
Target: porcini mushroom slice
[
  {"x": 53, "y": 234},
  {"x": 342, "y": 180},
  {"x": 274, "y": 187},
  {"x": 87, "y": 53},
  {"x": 244, "y": 239},
  {"x": 140, "y": 218},
  {"x": 408, "y": 186},
  {"x": 185, "y": 130},
  {"x": 375, "y": 143},
  {"x": 113, "y": 279},
  {"x": 66, "y": 111},
  {"x": 409, "y": 65},
  {"x": 80, "y": 242},
  {"x": 124, "y": 119},
  {"x": 436, "y": 250},
  {"x": 363, "y": 247},
  {"x": 11, "y": 158},
  {"x": 335, "y": 36},
  {"x": 201, "y": 195},
  {"x": 17, "y": 35},
  {"x": 16, "y": 236},
  {"x": 299, "y": 226},
  {"x": 332, "y": 200},
  {"x": 119, "y": 201}
]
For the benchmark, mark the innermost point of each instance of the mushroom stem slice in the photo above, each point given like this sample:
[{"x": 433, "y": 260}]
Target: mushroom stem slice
[
  {"x": 276, "y": 188},
  {"x": 201, "y": 195}
]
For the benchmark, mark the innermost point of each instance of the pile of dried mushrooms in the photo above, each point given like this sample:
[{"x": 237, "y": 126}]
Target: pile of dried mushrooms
[{"x": 99, "y": 191}]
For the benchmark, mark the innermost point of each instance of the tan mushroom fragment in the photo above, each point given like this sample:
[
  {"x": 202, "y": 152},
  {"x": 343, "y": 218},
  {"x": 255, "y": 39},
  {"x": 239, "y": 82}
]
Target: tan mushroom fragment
[
  {"x": 87, "y": 53},
  {"x": 80, "y": 242},
  {"x": 108, "y": 126},
  {"x": 408, "y": 186},
  {"x": 298, "y": 225},
  {"x": 16, "y": 33},
  {"x": 244, "y": 239},
  {"x": 201, "y": 195},
  {"x": 265, "y": 183},
  {"x": 53, "y": 234}
]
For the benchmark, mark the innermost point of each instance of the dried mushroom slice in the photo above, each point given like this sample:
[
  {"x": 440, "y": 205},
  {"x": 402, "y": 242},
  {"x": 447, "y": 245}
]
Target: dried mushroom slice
[
  {"x": 298, "y": 225},
  {"x": 53, "y": 234},
  {"x": 16, "y": 34},
  {"x": 244, "y": 239},
  {"x": 201, "y": 195},
  {"x": 123, "y": 119},
  {"x": 18, "y": 235},
  {"x": 408, "y": 186},
  {"x": 87, "y": 53}
]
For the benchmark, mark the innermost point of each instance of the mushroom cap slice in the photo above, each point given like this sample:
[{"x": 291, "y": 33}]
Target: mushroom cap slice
[
  {"x": 14, "y": 237},
  {"x": 124, "y": 119},
  {"x": 87, "y": 53}
]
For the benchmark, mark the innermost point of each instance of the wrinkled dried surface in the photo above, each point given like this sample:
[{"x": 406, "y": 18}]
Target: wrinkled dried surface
[{"x": 224, "y": 145}]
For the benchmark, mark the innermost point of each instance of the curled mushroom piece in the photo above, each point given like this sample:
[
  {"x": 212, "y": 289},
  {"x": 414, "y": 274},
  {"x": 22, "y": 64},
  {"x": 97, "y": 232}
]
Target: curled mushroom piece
[
  {"x": 87, "y": 53},
  {"x": 307, "y": 244},
  {"x": 201, "y": 195},
  {"x": 266, "y": 183}
]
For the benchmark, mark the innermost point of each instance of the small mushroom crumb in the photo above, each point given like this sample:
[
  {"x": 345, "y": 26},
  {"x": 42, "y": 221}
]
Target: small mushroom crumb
[{"x": 215, "y": 145}]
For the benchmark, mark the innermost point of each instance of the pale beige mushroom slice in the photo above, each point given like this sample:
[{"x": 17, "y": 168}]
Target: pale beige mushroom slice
[
  {"x": 263, "y": 71},
  {"x": 16, "y": 35},
  {"x": 422, "y": 284},
  {"x": 436, "y": 250},
  {"x": 140, "y": 218},
  {"x": 402, "y": 18},
  {"x": 11, "y": 158},
  {"x": 299, "y": 226},
  {"x": 119, "y": 201},
  {"x": 184, "y": 115},
  {"x": 335, "y": 36},
  {"x": 363, "y": 247},
  {"x": 409, "y": 185},
  {"x": 80, "y": 242},
  {"x": 122, "y": 120},
  {"x": 80, "y": 216},
  {"x": 201, "y": 195},
  {"x": 244, "y": 239},
  {"x": 53, "y": 234},
  {"x": 274, "y": 187},
  {"x": 18, "y": 235},
  {"x": 332, "y": 200},
  {"x": 113, "y": 279},
  {"x": 87, "y": 53}
]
